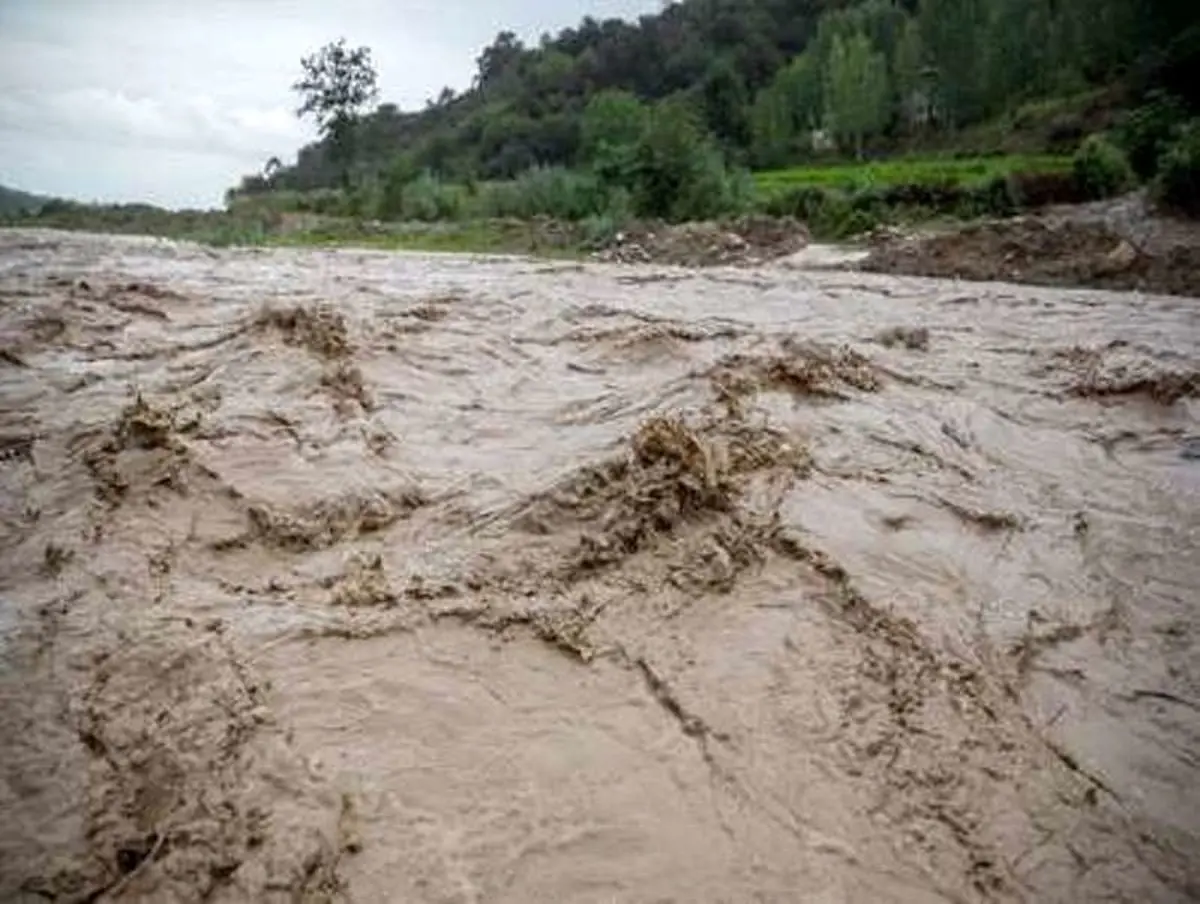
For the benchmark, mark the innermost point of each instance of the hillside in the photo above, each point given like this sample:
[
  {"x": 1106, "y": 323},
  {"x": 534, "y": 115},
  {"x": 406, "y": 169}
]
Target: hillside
[
  {"x": 14, "y": 201},
  {"x": 761, "y": 76}
]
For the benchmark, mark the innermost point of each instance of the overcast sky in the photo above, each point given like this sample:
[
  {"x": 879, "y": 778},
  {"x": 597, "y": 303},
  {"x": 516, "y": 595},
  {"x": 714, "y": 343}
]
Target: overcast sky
[{"x": 172, "y": 102}]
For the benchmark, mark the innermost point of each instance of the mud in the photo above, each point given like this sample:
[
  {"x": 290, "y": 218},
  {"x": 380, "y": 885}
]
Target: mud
[
  {"x": 352, "y": 576},
  {"x": 1075, "y": 249}
]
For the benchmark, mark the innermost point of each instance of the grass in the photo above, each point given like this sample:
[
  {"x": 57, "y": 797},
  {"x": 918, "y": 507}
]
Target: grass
[{"x": 970, "y": 171}]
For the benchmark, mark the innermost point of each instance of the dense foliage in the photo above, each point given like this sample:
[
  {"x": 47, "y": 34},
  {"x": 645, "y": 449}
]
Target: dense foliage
[
  {"x": 1101, "y": 169},
  {"x": 767, "y": 83},
  {"x": 1178, "y": 182}
]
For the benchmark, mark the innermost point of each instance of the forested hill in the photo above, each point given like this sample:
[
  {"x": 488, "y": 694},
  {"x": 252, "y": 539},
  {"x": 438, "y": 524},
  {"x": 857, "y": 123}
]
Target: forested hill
[
  {"x": 766, "y": 77},
  {"x": 13, "y": 201}
]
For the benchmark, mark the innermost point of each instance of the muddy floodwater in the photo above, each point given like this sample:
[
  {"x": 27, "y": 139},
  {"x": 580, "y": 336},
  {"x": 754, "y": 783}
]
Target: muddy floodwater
[{"x": 351, "y": 576}]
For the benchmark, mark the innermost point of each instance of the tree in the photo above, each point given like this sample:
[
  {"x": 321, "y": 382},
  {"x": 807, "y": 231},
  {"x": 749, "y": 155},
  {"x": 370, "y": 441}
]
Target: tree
[
  {"x": 611, "y": 127},
  {"x": 786, "y": 109},
  {"x": 907, "y": 76},
  {"x": 668, "y": 158},
  {"x": 337, "y": 83},
  {"x": 950, "y": 33},
  {"x": 857, "y": 90},
  {"x": 725, "y": 103}
]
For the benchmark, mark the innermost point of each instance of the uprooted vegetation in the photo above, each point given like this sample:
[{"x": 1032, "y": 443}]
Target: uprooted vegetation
[
  {"x": 672, "y": 472},
  {"x": 142, "y": 449},
  {"x": 1108, "y": 372},
  {"x": 327, "y": 522},
  {"x": 799, "y": 367},
  {"x": 320, "y": 329}
]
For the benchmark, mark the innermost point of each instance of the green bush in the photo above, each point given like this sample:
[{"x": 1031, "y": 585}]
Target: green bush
[
  {"x": 428, "y": 199},
  {"x": 543, "y": 191},
  {"x": 1101, "y": 169},
  {"x": 1146, "y": 132},
  {"x": 829, "y": 213},
  {"x": 1178, "y": 182}
]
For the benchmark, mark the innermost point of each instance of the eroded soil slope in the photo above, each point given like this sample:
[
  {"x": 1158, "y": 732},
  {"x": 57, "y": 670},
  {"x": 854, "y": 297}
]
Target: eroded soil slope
[{"x": 352, "y": 576}]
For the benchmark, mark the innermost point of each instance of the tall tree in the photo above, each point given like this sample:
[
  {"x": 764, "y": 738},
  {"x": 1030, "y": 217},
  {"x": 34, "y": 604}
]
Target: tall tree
[
  {"x": 786, "y": 109},
  {"x": 856, "y": 94},
  {"x": 908, "y": 66},
  {"x": 725, "y": 103},
  {"x": 337, "y": 83},
  {"x": 951, "y": 32}
]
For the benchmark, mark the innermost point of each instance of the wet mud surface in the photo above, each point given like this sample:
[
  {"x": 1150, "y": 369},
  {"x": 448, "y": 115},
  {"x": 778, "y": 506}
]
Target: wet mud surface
[
  {"x": 1115, "y": 246},
  {"x": 345, "y": 576}
]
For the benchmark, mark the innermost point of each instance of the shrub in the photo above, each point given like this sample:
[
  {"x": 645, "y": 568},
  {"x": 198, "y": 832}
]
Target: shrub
[
  {"x": 1033, "y": 190},
  {"x": 828, "y": 213},
  {"x": 1101, "y": 169},
  {"x": 1146, "y": 132},
  {"x": 678, "y": 174},
  {"x": 1178, "y": 182},
  {"x": 428, "y": 199},
  {"x": 543, "y": 191},
  {"x": 995, "y": 198},
  {"x": 711, "y": 190}
]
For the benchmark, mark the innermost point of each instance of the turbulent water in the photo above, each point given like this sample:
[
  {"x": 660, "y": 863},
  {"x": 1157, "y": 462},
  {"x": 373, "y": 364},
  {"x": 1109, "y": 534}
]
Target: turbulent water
[{"x": 369, "y": 577}]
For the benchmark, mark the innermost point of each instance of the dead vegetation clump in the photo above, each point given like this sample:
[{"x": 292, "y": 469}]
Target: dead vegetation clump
[
  {"x": 345, "y": 383},
  {"x": 328, "y": 522},
  {"x": 912, "y": 338},
  {"x": 1163, "y": 386},
  {"x": 320, "y": 329},
  {"x": 1098, "y": 373},
  {"x": 672, "y": 473},
  {"x": 800, "y": 368},
  {"x": 363, "y": 583},
  {"x": 142, "y": 448}
]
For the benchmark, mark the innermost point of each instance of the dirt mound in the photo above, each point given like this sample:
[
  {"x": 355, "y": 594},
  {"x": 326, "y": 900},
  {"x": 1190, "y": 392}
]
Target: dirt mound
[
  {"x": 743, "y": 242},
  {"x": 800, "y": 367},
  {"x": 1042, "y": 252}
]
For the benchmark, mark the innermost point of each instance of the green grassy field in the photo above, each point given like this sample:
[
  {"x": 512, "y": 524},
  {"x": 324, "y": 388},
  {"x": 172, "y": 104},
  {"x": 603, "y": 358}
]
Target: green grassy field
[{"x": 906, "y": 171}]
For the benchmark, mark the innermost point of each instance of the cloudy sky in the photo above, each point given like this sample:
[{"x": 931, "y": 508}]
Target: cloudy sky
[{"x": 172, "y": 102}]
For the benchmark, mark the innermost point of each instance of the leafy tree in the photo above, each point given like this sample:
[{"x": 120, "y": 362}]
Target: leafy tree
[
  {"x": 785, "y": 110},
  {"x": 611, "y": 126},
  {"x": 337, "y": 83},
  {"x": 725, "y": 103},
  {"x": 678, "y": 173},
  {"x": 907, "y": 75},
  {"x": 857, "y": 91},
  {"x": 950, "y": 32}
]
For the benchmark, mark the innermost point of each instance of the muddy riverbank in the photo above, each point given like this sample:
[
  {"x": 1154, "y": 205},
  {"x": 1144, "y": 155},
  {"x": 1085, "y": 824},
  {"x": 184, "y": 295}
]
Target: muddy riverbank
[
  {"x": 341, "y": 575},
  {"x": 1122, "y": 245}
]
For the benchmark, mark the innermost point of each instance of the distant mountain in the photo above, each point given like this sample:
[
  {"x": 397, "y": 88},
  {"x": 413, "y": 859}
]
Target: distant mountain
[{"x": 15, "y": 201}]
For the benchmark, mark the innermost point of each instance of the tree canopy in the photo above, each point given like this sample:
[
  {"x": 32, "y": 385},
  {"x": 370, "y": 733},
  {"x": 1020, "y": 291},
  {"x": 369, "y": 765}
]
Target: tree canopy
[{"x": 759, "y": 76}]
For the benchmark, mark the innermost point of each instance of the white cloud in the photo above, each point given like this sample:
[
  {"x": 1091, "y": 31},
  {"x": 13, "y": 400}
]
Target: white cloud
[{"x": 140, "y": 99}]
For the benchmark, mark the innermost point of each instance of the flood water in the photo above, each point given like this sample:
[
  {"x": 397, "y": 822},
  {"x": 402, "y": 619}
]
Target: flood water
[{"x": 342, "y": 575}]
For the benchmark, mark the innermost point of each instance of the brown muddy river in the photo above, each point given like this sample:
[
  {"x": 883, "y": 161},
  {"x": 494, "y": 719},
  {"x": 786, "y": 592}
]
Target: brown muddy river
[{"x": 354, "y": 576}]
